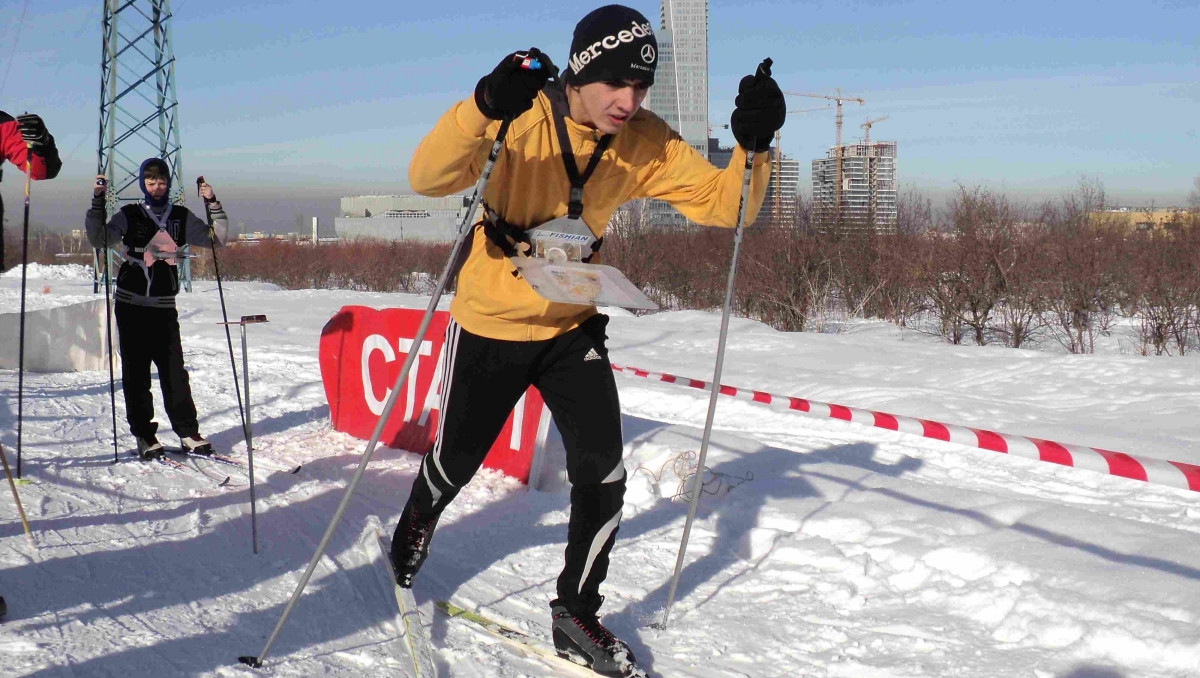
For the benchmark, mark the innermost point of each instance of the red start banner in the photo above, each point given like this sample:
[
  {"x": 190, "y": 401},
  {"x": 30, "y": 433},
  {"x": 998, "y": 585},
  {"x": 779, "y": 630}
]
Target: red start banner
[{"x": 362, "y": 351}]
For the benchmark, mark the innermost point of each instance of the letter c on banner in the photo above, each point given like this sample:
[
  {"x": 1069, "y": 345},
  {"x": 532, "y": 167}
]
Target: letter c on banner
[{"x": 374, "y": 343}]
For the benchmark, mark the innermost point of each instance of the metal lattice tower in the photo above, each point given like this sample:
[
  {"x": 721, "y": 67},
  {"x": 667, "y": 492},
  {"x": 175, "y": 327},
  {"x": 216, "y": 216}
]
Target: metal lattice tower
[{"x": 139, "y": 112}]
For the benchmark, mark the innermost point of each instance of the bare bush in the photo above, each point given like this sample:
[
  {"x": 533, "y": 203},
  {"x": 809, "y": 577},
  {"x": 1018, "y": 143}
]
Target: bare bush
[
  {"x": 1084, "y": 260},
  {"x": 1168, "y": 284},
  {"x": 787, "y": 277},
  {"x": 364, "y": 264}
]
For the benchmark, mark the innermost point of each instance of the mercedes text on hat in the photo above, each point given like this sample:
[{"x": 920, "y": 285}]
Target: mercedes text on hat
[{"x": 583, "y": 57}]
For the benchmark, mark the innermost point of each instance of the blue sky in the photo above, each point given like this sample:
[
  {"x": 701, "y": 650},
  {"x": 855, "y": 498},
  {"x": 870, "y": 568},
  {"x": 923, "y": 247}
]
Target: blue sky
[{"x": 1024, "y": 97}]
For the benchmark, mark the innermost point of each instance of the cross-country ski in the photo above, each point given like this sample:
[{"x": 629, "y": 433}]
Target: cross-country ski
[
  {"x": 518, "y": 639},
  {"x": 412, "y": 626}
]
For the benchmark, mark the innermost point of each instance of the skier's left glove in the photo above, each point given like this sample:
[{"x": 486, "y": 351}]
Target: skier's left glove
[
  {"x": 32, "y": 129},
  {"x": 760, "y": 110}
]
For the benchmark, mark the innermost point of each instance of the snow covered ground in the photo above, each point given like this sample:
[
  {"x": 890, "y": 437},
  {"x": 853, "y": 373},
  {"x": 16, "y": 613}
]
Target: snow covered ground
[{"x": 826, "y": 548}]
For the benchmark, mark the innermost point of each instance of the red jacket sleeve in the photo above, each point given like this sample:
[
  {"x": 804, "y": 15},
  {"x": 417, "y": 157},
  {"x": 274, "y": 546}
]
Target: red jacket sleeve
[{"x": 12, "y": 147}]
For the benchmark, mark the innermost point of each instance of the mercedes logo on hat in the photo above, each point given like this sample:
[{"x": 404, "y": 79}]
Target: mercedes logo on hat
[{"x": 648, "y": 53}]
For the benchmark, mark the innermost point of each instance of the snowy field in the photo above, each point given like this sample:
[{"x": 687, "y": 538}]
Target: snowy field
[{"x": 825, "y": 549}]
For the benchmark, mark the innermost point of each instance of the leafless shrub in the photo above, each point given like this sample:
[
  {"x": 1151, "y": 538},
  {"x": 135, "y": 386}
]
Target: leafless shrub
[
  {"x": 1168, "y": 285},
  {"x": 1084, "y": 256},
  {"x": 363, "y": 264},
  {"x": 787, "y": 277}
]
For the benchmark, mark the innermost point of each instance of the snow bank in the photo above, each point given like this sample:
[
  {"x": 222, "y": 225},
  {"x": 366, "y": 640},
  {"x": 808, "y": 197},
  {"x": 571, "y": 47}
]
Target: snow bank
[{"x": 51, "y": 272}]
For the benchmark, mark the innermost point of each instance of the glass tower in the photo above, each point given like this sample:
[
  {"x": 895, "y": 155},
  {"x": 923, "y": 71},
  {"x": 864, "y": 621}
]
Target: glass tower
[{"x": 680, "y": 92}]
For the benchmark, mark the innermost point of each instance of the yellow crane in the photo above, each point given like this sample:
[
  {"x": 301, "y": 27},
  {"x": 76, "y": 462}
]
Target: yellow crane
[
  {"x": 839, "y": 98},
  {"x": 867, "y": 128},
  {"x": 872, "y": 165}
]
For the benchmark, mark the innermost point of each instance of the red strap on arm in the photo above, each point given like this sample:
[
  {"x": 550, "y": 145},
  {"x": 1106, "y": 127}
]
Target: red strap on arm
[{"x": 12, "y": 146}]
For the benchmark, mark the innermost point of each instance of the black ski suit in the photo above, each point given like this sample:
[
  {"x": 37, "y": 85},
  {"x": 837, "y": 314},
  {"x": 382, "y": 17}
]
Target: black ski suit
[{"x": 147, "y": 321}]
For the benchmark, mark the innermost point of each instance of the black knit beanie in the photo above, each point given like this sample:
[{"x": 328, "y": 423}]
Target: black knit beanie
[{"x": 610, "y": 44}]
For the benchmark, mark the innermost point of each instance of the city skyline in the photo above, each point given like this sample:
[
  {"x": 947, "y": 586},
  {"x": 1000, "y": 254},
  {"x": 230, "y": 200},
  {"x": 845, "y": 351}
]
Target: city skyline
[{"x": 294, "y": 99}]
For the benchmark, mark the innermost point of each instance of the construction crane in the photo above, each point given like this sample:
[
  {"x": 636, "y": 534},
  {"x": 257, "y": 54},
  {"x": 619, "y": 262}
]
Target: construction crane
[
  {"x": 867, "y": 128},
  {"x": 839, "y": 98},
  {"x": 872, "y": 165}
]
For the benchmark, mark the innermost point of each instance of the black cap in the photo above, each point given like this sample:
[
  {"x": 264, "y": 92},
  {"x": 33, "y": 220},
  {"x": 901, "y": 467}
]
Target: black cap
[{"x": 612, "y": 43}]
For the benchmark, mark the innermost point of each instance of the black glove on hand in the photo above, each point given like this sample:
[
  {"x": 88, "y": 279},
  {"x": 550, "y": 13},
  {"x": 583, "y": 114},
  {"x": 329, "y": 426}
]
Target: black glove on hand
[
  {"x": 509, "y": 90},
  {"x": 760, "y": 110},
  {"x": 33, "y": 130}
]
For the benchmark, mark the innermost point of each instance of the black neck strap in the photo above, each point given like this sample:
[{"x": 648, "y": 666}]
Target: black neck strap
[{"x": 560, "y": 108}]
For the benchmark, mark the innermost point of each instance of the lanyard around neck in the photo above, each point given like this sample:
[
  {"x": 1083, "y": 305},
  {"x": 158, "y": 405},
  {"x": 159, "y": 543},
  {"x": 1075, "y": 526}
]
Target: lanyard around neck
[
  {"x": 160, "y": 221},
  {"x": 558, "y": 105}
]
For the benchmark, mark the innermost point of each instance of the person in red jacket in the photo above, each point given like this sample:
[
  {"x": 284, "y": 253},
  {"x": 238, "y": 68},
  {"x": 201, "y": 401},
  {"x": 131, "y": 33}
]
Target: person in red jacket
[{"x": 18, "y": 136}]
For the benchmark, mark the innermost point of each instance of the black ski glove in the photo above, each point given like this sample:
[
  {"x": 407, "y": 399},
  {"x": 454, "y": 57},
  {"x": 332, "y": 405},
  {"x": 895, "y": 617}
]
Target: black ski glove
[
  {"x": 509, "y": 90},
  {"x": 760, "y": 110},
  {"x": 33, "y": 130}
]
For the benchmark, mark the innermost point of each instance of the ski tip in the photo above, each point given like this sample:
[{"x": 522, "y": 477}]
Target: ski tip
[
  {"x": 252, "y": 662},
  {"x": 295, "y": 470},
  {"x": 225, "y": 483}
]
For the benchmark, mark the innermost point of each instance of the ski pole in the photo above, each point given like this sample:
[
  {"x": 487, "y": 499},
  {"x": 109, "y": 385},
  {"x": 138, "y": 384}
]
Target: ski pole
[
  {"x": 108, "y": 315},
  {"x": 12, "y": 485},
  {"x": 764, "y": 70},
  {"x": 247, "y": 320},
  {"x": 21, "y": 332},
  {"x": 463, "y": 231},
  {"x": 212, "y": 234}
]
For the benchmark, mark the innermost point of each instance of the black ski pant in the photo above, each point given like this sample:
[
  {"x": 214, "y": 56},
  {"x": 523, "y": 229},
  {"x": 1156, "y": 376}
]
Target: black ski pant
[
  {"x": 151, "y": 335},
  {"x": 481, "y": 383}
]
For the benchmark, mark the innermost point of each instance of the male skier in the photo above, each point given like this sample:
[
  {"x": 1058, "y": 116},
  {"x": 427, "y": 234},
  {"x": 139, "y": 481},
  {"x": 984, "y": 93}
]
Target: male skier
[
  {"x": 147, "y": 282},
  {"x": 580, "y": 147}
]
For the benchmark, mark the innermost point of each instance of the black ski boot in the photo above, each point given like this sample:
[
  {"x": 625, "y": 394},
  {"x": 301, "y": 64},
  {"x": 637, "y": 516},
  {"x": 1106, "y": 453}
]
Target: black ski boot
[
  {"x": 196, "y": 444},
  {"x": 149, "y": 449},
  {"x": 410, "y": 544},
  {"x": 584, "y": 640}
]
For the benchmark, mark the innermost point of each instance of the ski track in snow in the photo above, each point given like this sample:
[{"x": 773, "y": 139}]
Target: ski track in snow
[{"x": 821, "y": 548}]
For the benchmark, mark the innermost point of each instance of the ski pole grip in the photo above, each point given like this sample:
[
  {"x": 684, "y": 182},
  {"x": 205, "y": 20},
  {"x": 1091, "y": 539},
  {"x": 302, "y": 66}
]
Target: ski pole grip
[
  {"x": 200, "y": 182},
  {"x": 764, "y": 69},
  {"x": 536, "y": 60}
]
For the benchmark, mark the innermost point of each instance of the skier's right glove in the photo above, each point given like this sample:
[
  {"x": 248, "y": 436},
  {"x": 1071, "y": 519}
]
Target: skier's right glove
[
  {"x": 32, "y": 129},
  {"x": 509, "y": 90},
  {"x": 99, "y": 188}
]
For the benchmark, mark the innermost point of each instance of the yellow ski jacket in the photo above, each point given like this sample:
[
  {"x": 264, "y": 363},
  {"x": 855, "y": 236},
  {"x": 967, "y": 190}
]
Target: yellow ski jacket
[{"x": 529, "y": 186}]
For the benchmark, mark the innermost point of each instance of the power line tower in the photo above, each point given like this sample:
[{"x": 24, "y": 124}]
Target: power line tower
[{"x": 139, "y": 112}]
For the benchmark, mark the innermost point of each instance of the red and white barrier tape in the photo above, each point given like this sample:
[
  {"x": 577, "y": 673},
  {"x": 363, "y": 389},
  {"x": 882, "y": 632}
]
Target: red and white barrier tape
[{"x": 1158, "y": 471}]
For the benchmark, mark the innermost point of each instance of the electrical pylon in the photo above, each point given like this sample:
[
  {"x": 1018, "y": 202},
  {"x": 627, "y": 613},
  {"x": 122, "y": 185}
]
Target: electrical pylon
[{"x": 139, "y": 112}]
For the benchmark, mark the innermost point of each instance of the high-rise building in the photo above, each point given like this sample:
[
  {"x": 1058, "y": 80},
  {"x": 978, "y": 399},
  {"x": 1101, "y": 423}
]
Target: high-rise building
[
  {"x": 868, "y": 191},
  {"x": 785, "y": 183},
  {"x": 680, "y": 92}
]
